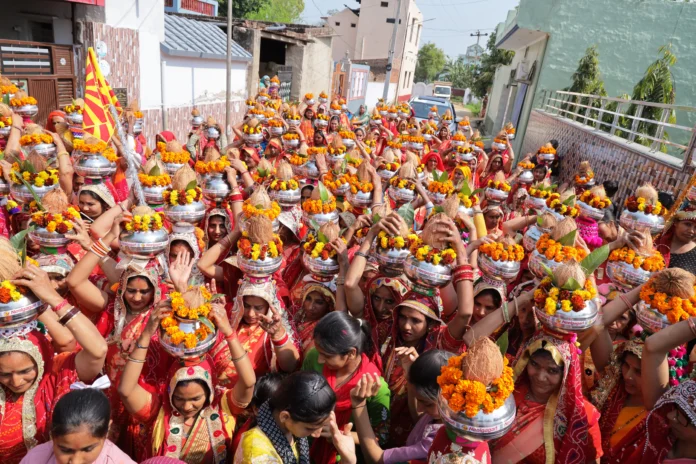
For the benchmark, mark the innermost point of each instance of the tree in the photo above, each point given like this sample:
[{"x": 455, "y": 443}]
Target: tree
[
  {"x": 279, "y": 11},
  {"x": 462, "y": 75},
  {"x": 430, "y": 62},
  {"x": 490, "y": 61},
  {"x": 587, "y": 80},
  {"x": 241, "y": 8}
]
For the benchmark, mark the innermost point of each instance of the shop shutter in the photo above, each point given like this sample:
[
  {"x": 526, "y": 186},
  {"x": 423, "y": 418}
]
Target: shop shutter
[
  {"x": 44, "y": 90},
  {"x": 66, "y": 92}
]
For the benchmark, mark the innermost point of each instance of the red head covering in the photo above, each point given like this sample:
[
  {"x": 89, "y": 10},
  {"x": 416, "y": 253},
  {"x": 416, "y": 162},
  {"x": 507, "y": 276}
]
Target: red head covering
[
  {"x": 49, "y": 122},
  {"x": 165, "y": 136},
  {"x": 252, "y": 153},
  {"x": 436, "y": 155}
]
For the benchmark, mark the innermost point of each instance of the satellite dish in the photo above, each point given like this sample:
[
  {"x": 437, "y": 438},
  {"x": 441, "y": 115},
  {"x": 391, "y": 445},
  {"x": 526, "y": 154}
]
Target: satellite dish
[
  {"x": 105, "y": 68},
  {"x": 101, "y": 49}
]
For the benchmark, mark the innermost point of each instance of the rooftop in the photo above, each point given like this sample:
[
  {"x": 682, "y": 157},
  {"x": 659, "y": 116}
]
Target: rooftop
[{"x": 191, "y": 36}]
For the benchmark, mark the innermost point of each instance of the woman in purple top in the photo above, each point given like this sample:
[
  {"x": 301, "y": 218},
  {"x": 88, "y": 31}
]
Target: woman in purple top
[{"x": 423, "y": 391}]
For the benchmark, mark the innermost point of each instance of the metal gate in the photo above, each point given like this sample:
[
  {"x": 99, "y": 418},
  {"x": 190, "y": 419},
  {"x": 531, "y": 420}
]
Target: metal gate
[{"x": 285, "y": 76}]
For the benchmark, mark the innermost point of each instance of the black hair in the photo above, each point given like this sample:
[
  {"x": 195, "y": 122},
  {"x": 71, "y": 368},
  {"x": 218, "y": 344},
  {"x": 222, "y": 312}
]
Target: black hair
[
  {"x": 149, "y": 284},
  {"x": 610, "y": 187},
  {"x": 338, "y": 333},
  {"x": 542, "y": 353},
  {"x": 95, "y": 197},
  {"x": 425, "y": 371},
  {"x": 182, "y": 241},
  {"x": 201, "y": 383},
  {"x": 266, "y": 386},
  {"x": 666, "y": 198},
  {"x": 88, "y": 407},
  {"x": 497, "y": 299},
  {"x": 540, "y": 166},
  {"x": 306, "y": 396},
  {"x": 554, "y": 143}
]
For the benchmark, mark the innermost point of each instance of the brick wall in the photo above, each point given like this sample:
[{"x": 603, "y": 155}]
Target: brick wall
[{"x": 610, "y": 159}]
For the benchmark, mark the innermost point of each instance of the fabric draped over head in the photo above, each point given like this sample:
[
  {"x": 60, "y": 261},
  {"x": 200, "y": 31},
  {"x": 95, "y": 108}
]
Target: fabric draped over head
[
  {"x": 658, "y": 442},
  {"x": 152, "y": 275},
  {"x": 216, "y": 212},
  {"x": 60, "y": 264},
  {"x": 664, "y": 242},
  {"x": 565, "y": 418},
  {"x": 292, "y": 219},
  {"x": 166, "y": 136},
  {"x": 189, "y": 238},
  {"x": 35, "y": 345},
  {"x": 612, "y": 378},
  {"x": 102, "y": 191},
  {"x": 434, "y": 155},
  {"x": 49, "y": 122},
  {"x": 327, "y": 294},
  {"x": 485, "y": 283}
]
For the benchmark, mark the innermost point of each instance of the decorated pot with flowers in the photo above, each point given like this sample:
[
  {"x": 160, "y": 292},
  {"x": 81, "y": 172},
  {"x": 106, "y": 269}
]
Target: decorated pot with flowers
[
  {"x": 24, "y": 105},
  {"x": 320, "y": 258},
  {"x": 546, "y": 154},
  {"x": 544, "y": 224},
  {"x": 458, "y": 139},
  {"x": 36, "y": 140},
  {"x": 643, "y": 210},
  {"x": 440, "y": 187},
  {"x": 562, "y": 206},
  {"x": 18, "y": 306},
  {"x": 5, "y": 120},
  {"x": 188, "y": 333},
  {"x": 196, "y": 118},
  {"x": 155, "y": 181},
  {"x": 526, "y": 177},
  {"x": 320, "y": 208},
  {"x": 260, "y": 204},
  {"x": 465, "y": 154},
  {"x": 585, "y": 175},
  {"x": 628, "y": 268},
  {"x": 667, "y": 298},
  {"x": 497, "y": 190},
  {"x": 401, "y": 188},
  {"x": 73, "y": 114},
  {"x": 301, "y": 157},
  {"x": 145, "y": 236},
  {"x": 291, "y": 140},
  {"x": 53, "y": 221},
  {"x": 309, "y": 99},
  {"x": 536, "y": 200},
  {"x": 555, "y": 247},
  {"x": 36, "y": 174},
  {"x": 4, "y": 186},
  {"x": 336, "y": 151},
  {"x": 323, "y": 98},
  {"x": 510, "y": 130},
  {"x": 173, "y": 156},
  {"x": 348, "y": 138},
  {"x": 276, "y": 127},
  {"x": 476, "y": 400},
  {"x": 183, "y": 202},
  {"x": 500, "y": 141},
  {"x": 430, "y": 262},
  {"x": 259, "y": 251},
  {"x": 95, "y": 158},
  {"x": 388, "y": 166},
  {"x": 336, "y": 182},
  {"x": 321, "y": 121},
  {"x": 253, "y": 131},
  {"x": 285, "y": 188},
  {"x": 500, "y": 260},
  {"x": 212, "y": 169},
  {"x": 391, "y": 252},
  {"x": 566, "y": 298},
  {"x": 376, "y": 118},
  {"x": 361, "y": 187},
  {"x": 593, "y": 202}
]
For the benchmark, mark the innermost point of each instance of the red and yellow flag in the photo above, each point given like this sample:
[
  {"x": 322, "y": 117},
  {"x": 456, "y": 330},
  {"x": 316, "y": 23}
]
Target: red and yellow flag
[{"x": 97, "y": 118}]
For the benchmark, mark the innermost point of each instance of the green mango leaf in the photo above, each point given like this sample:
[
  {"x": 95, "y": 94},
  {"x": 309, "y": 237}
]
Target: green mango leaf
[
  {"x": 438, "y": 209},
  {"x": 552, "y": 187},
  {"x": 33, "y": 193},
  {"x": 344, "y": 166},
  {"x": 206, "y": 322},
  {"x": 540, "y": 221},
  {"x": 27, "y": 166},
  {"x": 503, "y": 342},
  {"x": 568, "y": 239},
  {"x": 6, "y": 99},
  {"x": 548, "y": 271},
  {"x": 322, "y": 238},
  {"x": 19, "y": 243},
  {"x": 262, "y": 172},
  {"x": 155, "y": 171},
  {"x": 595, "y": 259},
  {"x": 477, "y": 192},
  {"x": 465, "y": 190},
  {"x": 375, "y": 218},
  {"x": 407, "y": 213},
  {"x": 572, "y": 285},
  {"x": 569, "y": 201},
  {"x": 323, "y": 193},
  {"x": 315, "y": 224},
  {"x": 192, "y": 185}
]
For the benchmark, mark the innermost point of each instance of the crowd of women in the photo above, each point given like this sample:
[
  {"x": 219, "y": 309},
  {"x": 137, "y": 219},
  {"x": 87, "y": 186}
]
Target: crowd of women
[{"x": 329, "y": 287}]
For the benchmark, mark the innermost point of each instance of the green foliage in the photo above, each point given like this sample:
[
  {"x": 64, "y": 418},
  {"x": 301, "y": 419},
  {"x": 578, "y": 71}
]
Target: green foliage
[
  {"x": 586, "y": 79},
  {"x": 241, "y": 8},
  {"x": 461, "y": 75},
  {"x": 279, "y": 11},
  {"x": 475, "y": 108},
  {"x": 490, "y": 61},
  {"x": 431, "y": 60}
]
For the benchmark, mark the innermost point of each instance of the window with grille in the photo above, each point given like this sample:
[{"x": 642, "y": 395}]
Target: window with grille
[{"x": 384, "y": 4}]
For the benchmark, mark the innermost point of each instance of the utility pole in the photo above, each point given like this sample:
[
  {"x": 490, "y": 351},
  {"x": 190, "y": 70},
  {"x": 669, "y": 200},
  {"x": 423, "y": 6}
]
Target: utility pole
[
  {"x": 390, "y": 56},
  {"x": 228, "y": 93},
  {"x": 478, "y": 36}
]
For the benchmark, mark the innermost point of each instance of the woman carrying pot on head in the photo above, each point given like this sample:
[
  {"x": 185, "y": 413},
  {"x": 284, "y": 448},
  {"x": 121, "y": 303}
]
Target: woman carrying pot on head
[
  {"x": 342, "y": 356},
  {"x": 332, "y": 130},
  {"x": 307, "y": 124},
  {"x": 189, "y": 419},
  {"x": 676, "y": 243},
  {"x": 32, "y": 379},
  {"x": 433, "y": 164}
]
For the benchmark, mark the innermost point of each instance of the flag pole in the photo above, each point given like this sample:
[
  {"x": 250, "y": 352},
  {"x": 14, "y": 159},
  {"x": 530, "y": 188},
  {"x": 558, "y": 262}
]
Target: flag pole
[{"x": 131, "y": 157}]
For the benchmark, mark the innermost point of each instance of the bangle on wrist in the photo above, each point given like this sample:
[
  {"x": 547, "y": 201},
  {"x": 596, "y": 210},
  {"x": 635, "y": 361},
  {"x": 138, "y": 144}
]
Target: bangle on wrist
[
  {"x": 137, "y": 344},
  {"x": 231, "y": 336},
  {"x": 241, "y": 357},
  {"x": 68, "y": 316},
  {"x": 359, "y": 406},
  {"x": 137, "y": 361},
  {"x": 60, "y": 305}
]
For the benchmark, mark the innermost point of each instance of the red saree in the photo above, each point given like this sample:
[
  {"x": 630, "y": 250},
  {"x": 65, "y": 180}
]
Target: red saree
[{"x": 447, "y": 447}]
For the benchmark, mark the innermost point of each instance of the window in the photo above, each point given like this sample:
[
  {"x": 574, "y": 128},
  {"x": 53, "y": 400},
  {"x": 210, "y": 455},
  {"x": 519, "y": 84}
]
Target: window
[
  {"x": 352, "y": 25},
  {"x": 384, "y": 4},
  {"x": 413, "y": 28},
  {"x": 338, "y": 23},
  {"x": 418, "y": 34},
  {"x": 391, "y": 20}
]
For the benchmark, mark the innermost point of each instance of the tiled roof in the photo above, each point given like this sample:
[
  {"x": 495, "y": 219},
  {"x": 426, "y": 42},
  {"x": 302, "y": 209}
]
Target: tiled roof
[{"x": 188, "y": 37}]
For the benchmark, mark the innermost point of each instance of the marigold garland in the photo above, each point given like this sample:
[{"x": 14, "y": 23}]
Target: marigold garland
[
  {"x": 5, "y": 121},
  {"x": 333, "y": 181},
  {"x": 182, "y": 197},
  {"x": 145, "y": 223},
  {"x": 10, "y": 292},
  {"x": 394, "y": 145},
  {"x": 207, "y": 167},
  {"x": 171, "y": 325},
  {"x": 553, "y": 202},
  {"x": 258, "y": 251},
  {"x": 72, "y": 109},
  {"x": 498, "y": 185},
  {"x": 18, "y": 102},
  {"x": 675, "y": 308},
  {"x": 436, "y": 256},
  {"x": 552, "y": 298},
  {"x": 539, "y": 193},
  {"x": 356, "y": 185},
  {"x": 172, "y": 157},
  {"x": 138, "y": 114},
  {"x": 468, "y": 201},
  {"x": 459, "y": 137},
  {"x": 38, "y": 179},
  {"x": 553, "y": 250},
  {"x": 275, "y": 123},
  {"x": 652, "y": 263},
  {"x": 250, "y": 210},
  {"x": 593, "y": 200},
  {"x": 444, "y": 188},
  {"x": 99, "y": 148},
  {"x": 290, "y": 136},
  {"x": 547, "y": 150},
  {"x": 387, "y": 242},
  {"x": 8, "y": 89},
  {"x": 298, "y": 160},
  {"x": 35, "y": 139},
  {"x": 318, "y": 207},
  {"x": 346, "y": 134},
  {"x": 501, "y": 252},
  {"x": 247, "y": 129},
  {"x": 472, "y": 396},
  {"x": 317, "y": 249},
  {"x": 584, "y": 180},
  {"x": 161, "y": 180},
  {"x": 400, "y": 183},
  {"x": 526, "y": 165},
  {"x": 60, "y": 223},
  {"x": 634, "y": 204}
]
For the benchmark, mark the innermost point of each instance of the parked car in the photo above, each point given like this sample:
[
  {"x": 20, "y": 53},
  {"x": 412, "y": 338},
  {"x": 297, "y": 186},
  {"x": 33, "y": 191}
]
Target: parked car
[
  {"x": 442, "y": 89},
  {"x": 421, "y": 107}
]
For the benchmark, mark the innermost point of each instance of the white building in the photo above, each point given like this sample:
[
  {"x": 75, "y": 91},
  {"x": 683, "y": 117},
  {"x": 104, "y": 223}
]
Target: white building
[{"x": 364, "y": 35}]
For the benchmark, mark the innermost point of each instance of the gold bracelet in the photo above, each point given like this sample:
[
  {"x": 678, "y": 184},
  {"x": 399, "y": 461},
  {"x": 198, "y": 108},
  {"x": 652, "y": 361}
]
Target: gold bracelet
[
  {"x": 241, "y": 357},
  {"x": 138, "y": 361}
]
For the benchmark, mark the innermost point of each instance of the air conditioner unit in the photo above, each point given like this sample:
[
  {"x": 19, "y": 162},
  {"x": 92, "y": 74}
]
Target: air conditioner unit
[{"x": 525, "y": 71}]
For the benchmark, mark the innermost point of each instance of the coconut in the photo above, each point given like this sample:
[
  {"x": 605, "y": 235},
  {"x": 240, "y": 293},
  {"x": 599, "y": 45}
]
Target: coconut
[
  {"x": 21, "y": 94},
  {"x": 337, "y": 143},
  {"x": 316, "y": 195},
  {"x": 79, "y": 102},
  {"x": 330, "y": 230},
  {"x": 260, "y": 198},
  {"x": 567, "y": 194},
  {"x": 5, "y": 111},
  {"x": 91, "y": 140},
  {"x": 55, "y": 201},
  {"x": 648, "y": 192},
  {"x": 9, "y": 260},
  {"x": 388, "y": 156},
  {"x": 284, "y": 171},
  {"x": 499, "y": 176},
  {"x": 585, "y": 169},
  {"x": 143, "y": 210},
  {"x": 483, "y": 362},
  {"x": 364, "y": 174},
  {"x": 194, "y": 297},
  {"x": 37, "y": 161},
  {"x": 382, "y": 210},
  {"x": 675, "y": 282},
  {"x": 548, "y": 221},
  {"x": 260, "y": 229},
  {"x": 211, "y": 154},
  {"x": 183, "y": 177},
  {"x": 599, "y": 191},
  {"x": 412, "y": 158},
  {"x": 566, "y": 271},
  {"x": 407, "y": 170},
  {"x": 195, "y": 113},
  {"x": 33, "y": 129},
  {"x": 253, "y": 122},
  {"x": 174, "y": 147},
  {"x": 563, "y": 228},
  {"x": 451, "y": 206},
  {"x": 151, "y": 163},
  {"x": 210, "y": 121},
  {"x": 429, "y": 236}
]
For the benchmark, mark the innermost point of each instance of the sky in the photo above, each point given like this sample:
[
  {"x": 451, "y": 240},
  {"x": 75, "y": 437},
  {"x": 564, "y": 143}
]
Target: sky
[{"x": 449, "y": 22}]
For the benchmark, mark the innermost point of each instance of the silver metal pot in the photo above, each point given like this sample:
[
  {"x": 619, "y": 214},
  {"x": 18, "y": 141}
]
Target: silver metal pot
[
  {"x": 526, "y": 177},
  {"x": 625, "y": 275},
  {"x": 437, "y": 198},
  {"x": 638, "y": 220},
  {"x": 187, "y": 326},
  {"x": 391, "y": 260},
  {"x": 546, "y": 157},
  {"x": 531, "y": 237},
  {"x": 537, "y": 204},
  {"x": 349, "y": 143},
  {"x": 650, "y": 319},
  {"x": 401, "y": 195},
  {"x": 496, "y": 195},
  {"x": 291, "y": 143},
  {"x": 212, "y": 133},
  {"x": 426, "y": 274},
  {"x": 323, "y": 100},
  {"x": 341, "y": 191},
  {"x": 511, "y": 136},
  {"x": 482, "y": 426},
  {"x": 198, "y": 120},
  {"x": 500, "y": 270},
  {"x": 311, "y": 102},
  {"x": 138, "y": 126},
  {"x": 570, "y": 321},
  {"x": 360, "y": 199},
  {"x": 215, "y": 187},
  {"x": 75, "y": 119},
  {"x": 458, "y": 143},
  {"x": 254, "y": 138},
  {"x": 293, "y": 122},
  {"x": 321, "y": 122},
  {"x": 383, "y": 112},
  {"x": 386, "y": 174},
  {"x": 536, "y": 260},
  {"x": 262, "y": 98},
  {"x": 22, "y": 195},
  {"x": 310, "y": 170},
  {"x": 418, "y": 146},
  {"x": 144, "y": 245},
  {"x": 190, "y": 213},
  {"x": 5, "y": 131},
  {"x": 20, "y": 312},
  {"x": 28, "y": 111},
  {"x": 319, "y": 219},
  {"x": 4, "y": 186},
  {"x": 335, "y": 158},
  {"x": 392, "y": 115},
  {"x": 46, "y": 150},
  {"x": 172, "y": 168},
  {"x": 277, "y": 131},
  {"x": 428, "y": 137},
  {"x": 286, "y": 198},
  {"x": 319, "y": 267},
  {"x": 44, "y": 238},
  {"x": 376, "y": 122},
  {"x": 587, "y": 184},
  {"x": 466, "y": 157},
  {"x": 590, "y": 212},
  {"x": 94, "y": 165},
  {"x": 468, "y": 211},
  {"x": 258, "y": 268},
  {"x": 153, "y": 195},
  {"x": 499, "y": 146}
]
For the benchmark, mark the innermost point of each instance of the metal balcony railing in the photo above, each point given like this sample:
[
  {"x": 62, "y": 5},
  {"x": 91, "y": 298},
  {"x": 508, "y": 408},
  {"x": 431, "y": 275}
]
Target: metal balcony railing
[{"x": 650, "y": 125}]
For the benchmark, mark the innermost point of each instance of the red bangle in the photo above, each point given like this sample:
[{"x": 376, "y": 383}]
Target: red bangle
[
  {"x": 282, "y": 341},
  {"x": 236, "y": 197},
  {"x": 231, "y": 336},
  {"x": 626, "y": 302},
  {"x": 60, "y": 305},
  {"x": 463, "y": 267}
]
